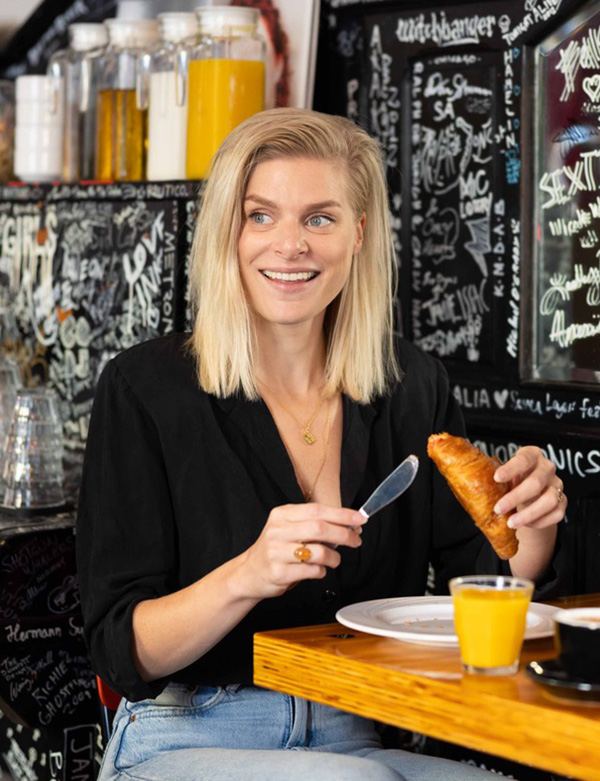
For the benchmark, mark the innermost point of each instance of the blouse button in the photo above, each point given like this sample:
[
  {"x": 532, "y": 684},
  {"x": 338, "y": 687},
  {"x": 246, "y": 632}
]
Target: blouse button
[{"x": 329, "y": 595}]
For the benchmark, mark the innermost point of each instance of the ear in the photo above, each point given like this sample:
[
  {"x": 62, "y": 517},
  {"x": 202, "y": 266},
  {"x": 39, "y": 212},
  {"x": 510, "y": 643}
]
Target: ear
[{"x": 360, "y": 233}]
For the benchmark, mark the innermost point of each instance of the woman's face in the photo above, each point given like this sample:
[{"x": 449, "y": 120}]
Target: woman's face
[{"x": 298, "y": 236}]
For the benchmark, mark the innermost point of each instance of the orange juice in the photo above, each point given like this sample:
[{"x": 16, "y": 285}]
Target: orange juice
[
  {"x": 121, "y": 136},
  {"x": 221, "y": 94},
  {"x": 490, "y": 625}
]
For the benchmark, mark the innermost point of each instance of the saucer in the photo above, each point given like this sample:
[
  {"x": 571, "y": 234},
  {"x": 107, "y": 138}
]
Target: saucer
[{"x": 550, "y": 674}]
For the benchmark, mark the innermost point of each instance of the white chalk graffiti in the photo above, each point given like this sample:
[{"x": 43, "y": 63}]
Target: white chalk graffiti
[
  {"x": 512, "y": 339},
  {"x": 577, "y": 55},
  {"x": 560, "y": 293},
  {"x": 577, "y": 463},
  {"x": 440, "y": 232},
  {"x": 437, "y": 28},
  {"x": 537, "y": 404},
  {"x": 384, "y": 100},
  {"x": 452, "y": 203},
  {"x": 563, "y": 183},
  {"x": 351, "y": 102},
  {"x": 480, "y": 244}
]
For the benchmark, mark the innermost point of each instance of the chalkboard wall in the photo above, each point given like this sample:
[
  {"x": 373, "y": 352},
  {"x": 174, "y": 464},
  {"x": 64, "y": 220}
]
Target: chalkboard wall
[
  {"x": 492, "y": 208},
  {"x": 466, "y": 100},
  {"x": 86, "y": 272},
  {"x": 562, "y": 331},
  {"x": 47, "y": 688}
]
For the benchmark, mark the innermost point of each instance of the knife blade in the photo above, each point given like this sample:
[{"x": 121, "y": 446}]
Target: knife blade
[{"x": 394, "y": 484}]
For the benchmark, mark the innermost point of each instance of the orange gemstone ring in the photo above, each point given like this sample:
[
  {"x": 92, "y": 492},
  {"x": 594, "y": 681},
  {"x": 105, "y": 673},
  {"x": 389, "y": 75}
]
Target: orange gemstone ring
[{"x": 303, "y": 554}]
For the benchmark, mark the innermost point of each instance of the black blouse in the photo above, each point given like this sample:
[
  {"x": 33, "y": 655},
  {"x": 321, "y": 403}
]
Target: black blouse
[{"x": 176, "y": 482}]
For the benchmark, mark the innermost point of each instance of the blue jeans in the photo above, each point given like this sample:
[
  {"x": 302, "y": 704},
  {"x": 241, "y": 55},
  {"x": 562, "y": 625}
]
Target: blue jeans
[{"x": 245, "y": 733}]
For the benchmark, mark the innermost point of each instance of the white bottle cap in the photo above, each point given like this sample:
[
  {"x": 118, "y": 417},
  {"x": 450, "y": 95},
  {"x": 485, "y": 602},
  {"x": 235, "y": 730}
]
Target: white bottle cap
[
  {"x": 131, "y": 32},
  {"x": 85, "y": 36},
  {"x": 227, "y": 20},
  {"x": 174, "y": 27}
]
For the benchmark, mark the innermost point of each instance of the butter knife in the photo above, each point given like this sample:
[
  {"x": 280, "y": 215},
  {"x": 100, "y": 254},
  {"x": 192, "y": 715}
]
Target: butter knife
[{"x": 394, "y": 484}]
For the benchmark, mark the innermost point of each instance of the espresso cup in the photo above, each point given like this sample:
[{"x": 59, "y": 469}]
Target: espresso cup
[{"x": 577, "y": 641}]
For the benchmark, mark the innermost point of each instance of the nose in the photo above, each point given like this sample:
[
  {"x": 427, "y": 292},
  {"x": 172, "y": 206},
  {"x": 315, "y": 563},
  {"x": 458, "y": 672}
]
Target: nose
[{"x": 289, "y": 243}]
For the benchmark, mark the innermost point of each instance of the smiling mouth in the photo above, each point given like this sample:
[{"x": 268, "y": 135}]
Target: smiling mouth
[{"x": 295, "y": 276}]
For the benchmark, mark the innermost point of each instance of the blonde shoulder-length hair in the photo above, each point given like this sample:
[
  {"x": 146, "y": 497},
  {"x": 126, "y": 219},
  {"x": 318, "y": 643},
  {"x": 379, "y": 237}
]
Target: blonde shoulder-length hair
[{"x": 359, "y": 322}]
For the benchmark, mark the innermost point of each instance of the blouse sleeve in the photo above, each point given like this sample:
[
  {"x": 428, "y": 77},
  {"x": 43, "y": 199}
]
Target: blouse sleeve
[{"x": 125, "y": 531}]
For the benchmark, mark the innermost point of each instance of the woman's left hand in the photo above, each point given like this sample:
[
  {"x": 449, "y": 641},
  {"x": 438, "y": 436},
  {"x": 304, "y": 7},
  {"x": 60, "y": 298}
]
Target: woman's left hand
[{"x": 535, "y": 499}]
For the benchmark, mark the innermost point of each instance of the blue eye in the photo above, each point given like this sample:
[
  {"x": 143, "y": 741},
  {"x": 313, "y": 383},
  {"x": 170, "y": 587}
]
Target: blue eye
[
  {"x": 259, "y": 218},
  {"x": 319, "y": 221}
]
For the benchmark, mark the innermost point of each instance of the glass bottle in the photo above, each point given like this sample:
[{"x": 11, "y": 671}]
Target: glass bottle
[
  {"x": 75, "y": 66},
  {"x": 122, "y": 137},
  {"x": 226, "y": 80},
  {"x": 168, "y": 104}
]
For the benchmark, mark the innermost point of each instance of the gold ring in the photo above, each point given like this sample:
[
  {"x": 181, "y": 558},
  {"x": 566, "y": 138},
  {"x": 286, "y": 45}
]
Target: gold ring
[
  {"x": 303, "y": 554},
  {"x": 560, "y": 493}
]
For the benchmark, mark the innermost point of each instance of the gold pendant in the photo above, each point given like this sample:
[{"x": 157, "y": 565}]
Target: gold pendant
[{"x": 308, "y": 437}]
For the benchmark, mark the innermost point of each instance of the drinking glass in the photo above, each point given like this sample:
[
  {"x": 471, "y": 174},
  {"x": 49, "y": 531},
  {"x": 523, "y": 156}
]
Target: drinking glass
[
  {"x": 33, "y": 469},
  {"x": 490, "y": 615}
]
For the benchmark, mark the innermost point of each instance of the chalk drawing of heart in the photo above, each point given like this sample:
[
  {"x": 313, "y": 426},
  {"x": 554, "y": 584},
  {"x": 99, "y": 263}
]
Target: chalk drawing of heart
[
  {"x": 591, "y": 87},
  {"x": 500, "y": 398}
]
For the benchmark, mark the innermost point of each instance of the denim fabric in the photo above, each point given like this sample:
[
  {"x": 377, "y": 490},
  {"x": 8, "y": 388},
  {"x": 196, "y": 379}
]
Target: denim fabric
[{"x": 237, "y": 733}]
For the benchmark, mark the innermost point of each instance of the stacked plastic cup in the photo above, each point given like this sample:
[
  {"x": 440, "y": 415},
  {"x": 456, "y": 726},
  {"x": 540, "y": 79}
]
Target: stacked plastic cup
[
  {"x": 33, "y": 466},
  {"x": 9, "y": 384},
  {"x": 38, "y": 129}
]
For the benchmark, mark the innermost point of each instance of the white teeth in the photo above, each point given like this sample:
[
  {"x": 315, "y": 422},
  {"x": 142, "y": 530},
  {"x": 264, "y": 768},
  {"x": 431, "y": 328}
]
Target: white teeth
[{"x": 298, "y": 276}]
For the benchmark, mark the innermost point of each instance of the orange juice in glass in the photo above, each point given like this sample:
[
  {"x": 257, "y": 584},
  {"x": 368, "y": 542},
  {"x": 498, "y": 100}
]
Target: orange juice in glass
[{"x": 490, "y": 615}]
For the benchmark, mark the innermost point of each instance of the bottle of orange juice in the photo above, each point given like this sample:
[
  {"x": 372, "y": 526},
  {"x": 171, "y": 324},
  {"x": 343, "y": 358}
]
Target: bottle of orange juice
[{"x": 226, "y": 80}]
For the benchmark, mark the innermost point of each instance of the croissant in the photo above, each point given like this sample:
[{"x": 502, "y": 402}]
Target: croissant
[{"x": 470, "y": 475}]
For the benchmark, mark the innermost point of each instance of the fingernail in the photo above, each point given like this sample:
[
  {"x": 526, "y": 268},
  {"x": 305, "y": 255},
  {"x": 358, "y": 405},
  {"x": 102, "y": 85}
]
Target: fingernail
[
  {"x": 513, "y": 522},
  {"x": 499, "y": 508},
  {"x": 497, "y": 477}
]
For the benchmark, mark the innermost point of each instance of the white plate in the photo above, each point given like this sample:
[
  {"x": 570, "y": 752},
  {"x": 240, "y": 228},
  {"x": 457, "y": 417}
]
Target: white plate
[{"x": 427, "y": 620}]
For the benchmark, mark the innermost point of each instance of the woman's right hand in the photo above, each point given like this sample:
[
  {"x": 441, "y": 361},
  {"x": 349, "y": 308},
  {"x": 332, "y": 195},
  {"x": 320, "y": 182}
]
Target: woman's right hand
[
  {"x": 269, "y": 568},
  {"x": 171, "y": 632}
]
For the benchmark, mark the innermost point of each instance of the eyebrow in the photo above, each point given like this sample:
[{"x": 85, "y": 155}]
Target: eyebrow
[{"x": 312, "y": 206}]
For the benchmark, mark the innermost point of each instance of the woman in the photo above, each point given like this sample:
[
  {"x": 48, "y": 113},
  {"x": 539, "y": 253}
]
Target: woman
[{"x": 223, "y": 472}]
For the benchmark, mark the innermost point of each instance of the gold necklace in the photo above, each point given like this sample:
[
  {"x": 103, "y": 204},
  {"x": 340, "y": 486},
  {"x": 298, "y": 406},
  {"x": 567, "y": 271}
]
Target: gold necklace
[
  {"x": 308, "y": 494},
  {"x": 307, "y": 436}
]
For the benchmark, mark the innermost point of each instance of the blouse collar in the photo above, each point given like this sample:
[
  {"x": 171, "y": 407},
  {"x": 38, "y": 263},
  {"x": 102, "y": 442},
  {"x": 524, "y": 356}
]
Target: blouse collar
[{"x": 255, "y": 420}]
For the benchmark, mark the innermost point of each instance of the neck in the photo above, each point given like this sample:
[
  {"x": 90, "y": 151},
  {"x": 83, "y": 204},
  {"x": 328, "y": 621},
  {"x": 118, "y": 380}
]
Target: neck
[{"x": 292, "y": 358}]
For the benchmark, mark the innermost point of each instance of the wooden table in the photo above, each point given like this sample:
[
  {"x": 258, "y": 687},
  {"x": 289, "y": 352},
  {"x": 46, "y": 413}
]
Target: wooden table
[{"x": 423, "y": 688}]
